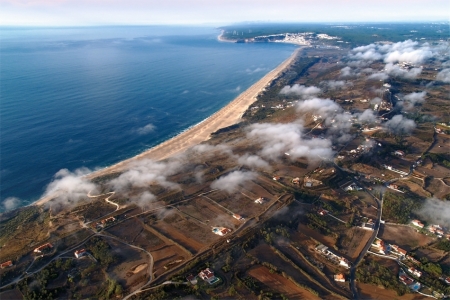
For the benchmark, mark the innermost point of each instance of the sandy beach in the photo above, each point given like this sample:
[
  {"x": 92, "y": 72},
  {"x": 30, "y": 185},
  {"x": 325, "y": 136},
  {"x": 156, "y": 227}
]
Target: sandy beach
[{"x": 227, "y": 116}]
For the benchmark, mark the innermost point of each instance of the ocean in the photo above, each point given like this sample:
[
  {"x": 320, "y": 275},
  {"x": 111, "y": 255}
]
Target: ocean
[{"x": 93, "y": 96}]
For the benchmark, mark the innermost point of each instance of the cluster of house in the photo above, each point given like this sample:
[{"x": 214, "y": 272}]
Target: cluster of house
[
  {"x": 360, "y": 149},
  {"x": 385, "y": 248},
  {"x": 221, "y": 230},
  {"x": 325, "y": 251},
  {"x": 206, "y": 274},
  {"x": 104, "y": 222},
  {"x": 283, "y": 106},
  {"x": 435, "y": 229},
  {"x": 290, "y": 38}
]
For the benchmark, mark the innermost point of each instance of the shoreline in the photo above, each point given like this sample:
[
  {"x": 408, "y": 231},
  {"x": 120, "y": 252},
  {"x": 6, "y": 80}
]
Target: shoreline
[
  {"x": 220, "y": 38},
  {"x": 228, "y": 115}
]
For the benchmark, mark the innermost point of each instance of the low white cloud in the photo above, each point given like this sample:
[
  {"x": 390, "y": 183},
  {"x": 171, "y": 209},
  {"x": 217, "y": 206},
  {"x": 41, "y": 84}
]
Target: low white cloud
[
  {"x": 406, "y": 51},
  {"x": 301, "y": 90},
  {"x": 399, "y": 124},
  {"x": 231, "y": 181},
  {"x": 367, "y": 117},
  {"x": 435, "y": 211},
  {"x": 322, "y": 107},
  {"x": 277, "y": 139},
  {"x": 70, "y": 187},
  {"x": 144, "y": 172},
  {"x": 253, "y": 161},
  {"x": 378, "y": 76},
  {"x": 336, "y": 84},
  {"x": 146, "y": 129},
  {"x": 397, "y": 71},
  {"x": 444, "y": 75},
  {"x": 256, "y": 70},
  {"x": 412, "y": 99},
  {"x": 10, "y": 203},
  {"x": 347, "y": 72},
  {"x": 376, "y": 100}
]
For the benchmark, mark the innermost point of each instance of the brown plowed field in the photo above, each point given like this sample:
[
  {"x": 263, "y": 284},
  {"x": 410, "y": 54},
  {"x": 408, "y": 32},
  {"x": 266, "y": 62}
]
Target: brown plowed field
[
  {"x": 280, "y": 284},
  {"x": 403, "y": 236},
  {"x": 372, "y": 292}
]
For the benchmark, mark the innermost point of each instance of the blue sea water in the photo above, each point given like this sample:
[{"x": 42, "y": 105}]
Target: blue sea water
[{"x": 90, "y": 97}]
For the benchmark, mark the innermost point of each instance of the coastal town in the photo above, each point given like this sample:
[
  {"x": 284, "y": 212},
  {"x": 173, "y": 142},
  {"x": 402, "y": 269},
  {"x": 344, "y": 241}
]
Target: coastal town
[{"x": 335, "y": 184}]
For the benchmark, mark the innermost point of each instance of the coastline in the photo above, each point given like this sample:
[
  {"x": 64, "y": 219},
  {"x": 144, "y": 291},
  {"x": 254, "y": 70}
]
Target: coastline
[
  {"x": 227, "y": 116},
  {"x": 220, "y": 38}
]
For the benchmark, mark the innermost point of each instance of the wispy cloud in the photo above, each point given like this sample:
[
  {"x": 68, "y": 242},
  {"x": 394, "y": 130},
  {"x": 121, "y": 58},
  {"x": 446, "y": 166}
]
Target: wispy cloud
[{"x": 146, "y": 129}]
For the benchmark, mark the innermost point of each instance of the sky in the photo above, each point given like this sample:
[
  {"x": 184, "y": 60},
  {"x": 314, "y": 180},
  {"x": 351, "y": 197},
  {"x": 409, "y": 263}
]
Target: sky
[{"x": 216, "y": 12}]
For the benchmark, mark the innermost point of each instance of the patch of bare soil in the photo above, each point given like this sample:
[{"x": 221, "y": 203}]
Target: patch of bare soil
[
  {"x": 354, "y": 241},
  {"x": 404, "y": 236},
  {"x": 372, "y": 292},
  {"x": 433, "y": 255},
  {"x": 438, "y": 188},
  {"x": 323, "y": 239},
  {"x": 280, "y": 284}
]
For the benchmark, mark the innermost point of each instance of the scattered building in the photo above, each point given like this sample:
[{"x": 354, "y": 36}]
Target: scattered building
[
  {"x": 352, "y": 187},
  {"x": 395, "y": 188},
  {"x": 192, "y": 279},
  {"x": 399, "y": 153},
  {"x": 322, "y": 249},
  {"x": 108, "y": 220},
  {"x": 344, "y": 262},
  {"x": 390, "y": 168},
  {"x": 406, "y": 280},
  {"x": 322, "y": 212},
  {"x": 339, "y": 277},
  {"x": 260, "y": 200},
  {"x": 379, "y": 243},
  {"x": 42, "y": 248},
  {"x": 208, "y": 276},
  {"x": 6, "y": 264},
  {"x": 417, "y": 223},
  {"x": 221, "y": 231},
  {"x": 369, "y": 225},
  {"x": 238, "y": 217},
  {"x": 415, "y": 272},
  {"x": 397, "y": 250},
  {"x": 80, "y": 253}
]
